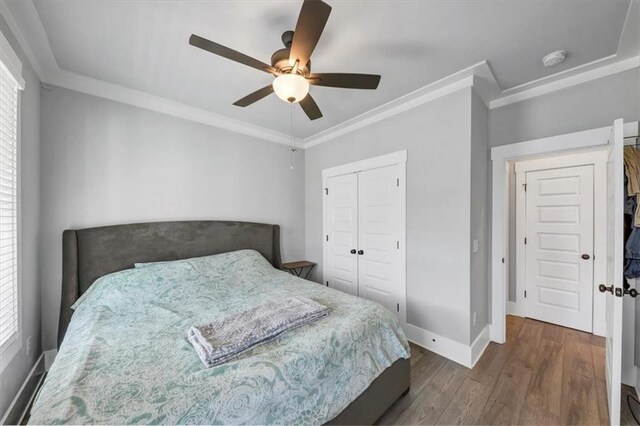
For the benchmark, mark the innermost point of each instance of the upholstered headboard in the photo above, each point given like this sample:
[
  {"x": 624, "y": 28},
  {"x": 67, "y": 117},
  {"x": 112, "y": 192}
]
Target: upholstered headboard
[{"x": 88, "y": 254}]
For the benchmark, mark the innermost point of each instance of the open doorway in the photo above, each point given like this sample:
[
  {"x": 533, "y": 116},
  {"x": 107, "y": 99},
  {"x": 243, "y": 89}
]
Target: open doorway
[
  {"x": 618, "y": 324},
  {"x": 557, "y": 238}
]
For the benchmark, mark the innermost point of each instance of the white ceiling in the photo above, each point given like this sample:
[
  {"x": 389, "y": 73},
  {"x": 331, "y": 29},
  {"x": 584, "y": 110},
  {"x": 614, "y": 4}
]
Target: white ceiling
[{"x": 142, "y": 44}]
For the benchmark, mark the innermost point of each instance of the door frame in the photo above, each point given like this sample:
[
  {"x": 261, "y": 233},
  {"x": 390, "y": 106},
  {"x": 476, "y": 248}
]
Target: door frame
[
  {"x": 398, "y": 158},
  {"x": 501, "y": 158},
  {"x": 597, "y": 159}
]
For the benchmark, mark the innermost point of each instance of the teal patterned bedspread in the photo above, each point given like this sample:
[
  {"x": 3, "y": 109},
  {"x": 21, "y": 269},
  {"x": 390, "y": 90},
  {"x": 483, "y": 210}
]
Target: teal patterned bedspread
[{"x": 125, "y": 358}]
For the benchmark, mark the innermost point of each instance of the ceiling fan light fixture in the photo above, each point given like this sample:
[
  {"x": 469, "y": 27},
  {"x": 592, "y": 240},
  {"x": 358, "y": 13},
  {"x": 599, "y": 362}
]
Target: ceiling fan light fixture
[{"x": 291, "y": 88}]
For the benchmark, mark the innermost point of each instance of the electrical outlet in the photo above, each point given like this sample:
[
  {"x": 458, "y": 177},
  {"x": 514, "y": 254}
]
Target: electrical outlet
[
  {"x": 475, "y": 246},
  {"x": 28, "y": 345},
  {"x": 475, "y": 317}
]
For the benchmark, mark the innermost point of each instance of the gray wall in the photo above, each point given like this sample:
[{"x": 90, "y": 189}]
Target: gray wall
[
  {"x": 105, "y": 162},
  {"x": 583, "y": 107},
  {"x": 586, "y": 106},
  {"x": 12, "y": 377},
  {"x": 479, "y": 279},
  {"x": 436, "y": 136}
]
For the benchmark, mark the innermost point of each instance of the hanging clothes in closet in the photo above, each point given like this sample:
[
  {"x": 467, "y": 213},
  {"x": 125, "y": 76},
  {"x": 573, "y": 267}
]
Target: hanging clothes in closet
[{"x": 632, "y": 212}]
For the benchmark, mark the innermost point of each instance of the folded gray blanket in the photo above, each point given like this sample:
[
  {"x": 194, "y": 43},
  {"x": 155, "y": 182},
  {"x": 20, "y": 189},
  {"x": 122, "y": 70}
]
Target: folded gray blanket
[{"x": 237, "y": 333}]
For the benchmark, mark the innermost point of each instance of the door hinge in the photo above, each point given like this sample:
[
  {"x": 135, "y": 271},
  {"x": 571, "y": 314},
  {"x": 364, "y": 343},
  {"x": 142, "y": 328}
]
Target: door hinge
[
  {"x": 503, "y": 260},
  {"x": 326, "y": 191},
  {"x": 398, "y": 245},
  {"x": 398, "y": 182},
  {"x": 525, "y": 293},
  {"x": 327, "y": 283},
  {"x": 398, "y": 307},
  {"x": 524, "y": 187},
  {"x": 327, "y": 238},
  {"x": 525, "y": 240}
]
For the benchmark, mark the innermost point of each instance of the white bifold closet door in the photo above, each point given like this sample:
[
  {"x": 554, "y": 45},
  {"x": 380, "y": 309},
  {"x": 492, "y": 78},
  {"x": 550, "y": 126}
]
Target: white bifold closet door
[
  {"x": 378, "y": 236},
  {"x": 364, "y": 235},
  {"x": 342, "y": 234}
]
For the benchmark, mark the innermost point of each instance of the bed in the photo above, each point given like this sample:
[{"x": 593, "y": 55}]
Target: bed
[{"x": 130, "y": 292}]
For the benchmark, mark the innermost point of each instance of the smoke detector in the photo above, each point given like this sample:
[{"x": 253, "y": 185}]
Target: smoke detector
[{"x": 554, "y": 58}]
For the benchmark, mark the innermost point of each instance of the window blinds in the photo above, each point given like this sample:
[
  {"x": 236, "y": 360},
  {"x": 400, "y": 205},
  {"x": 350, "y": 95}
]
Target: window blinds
[{"x": 8, "y": 206}]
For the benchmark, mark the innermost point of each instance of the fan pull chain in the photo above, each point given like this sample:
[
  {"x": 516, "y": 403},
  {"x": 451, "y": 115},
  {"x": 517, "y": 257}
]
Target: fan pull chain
[{"x": 293, "y": 140}]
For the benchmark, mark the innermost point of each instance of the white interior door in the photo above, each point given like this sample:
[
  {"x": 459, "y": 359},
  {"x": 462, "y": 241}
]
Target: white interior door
[
  {"x": 615, "y": 261},
  {"x": 379, "y": 211},
  {"x": 342, "y": 233},
  {"x": 559, "y": 246}
]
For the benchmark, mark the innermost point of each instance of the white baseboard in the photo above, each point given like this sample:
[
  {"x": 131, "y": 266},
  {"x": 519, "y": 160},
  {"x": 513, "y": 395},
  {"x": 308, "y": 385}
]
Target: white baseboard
[
  {"x": 516, "y": 309},
  {"x": 466, "y": 355},
  {"x": 12, "y": 406},
  {"x": 480, "y": 344}
]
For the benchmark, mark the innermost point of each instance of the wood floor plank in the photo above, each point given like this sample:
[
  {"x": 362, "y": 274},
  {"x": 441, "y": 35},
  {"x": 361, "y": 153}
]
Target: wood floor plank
[
  {"x": 514, "y": 325},
  {"x": 598, "y": 357},
  {"x": 553, "y": 332},
  {"x": 545, "y": 388},
  {"x": 535, "y": 415},
  {"x": 466, "y": 405},
  {"x": 422, "y": 373},
  {"x": 578, "y": 356},
  {"x": 579, "y": 402},
  {"x": 491, "y": 363},
  {"x": 437, "y": 395},
  {"x": 526, "y": 348},
  {"x": 597, "y": 340},
  {"x": 417, "y": 353},
  {"x": 507, "y": 398},
  {"x": 542, "y": 375},
  {"x": 531, "y": 329},
  {"x": 602, "y": 404}
]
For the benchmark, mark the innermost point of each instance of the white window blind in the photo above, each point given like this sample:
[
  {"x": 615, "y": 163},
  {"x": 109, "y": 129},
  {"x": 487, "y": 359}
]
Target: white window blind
[{"x": 8, "y": 206}]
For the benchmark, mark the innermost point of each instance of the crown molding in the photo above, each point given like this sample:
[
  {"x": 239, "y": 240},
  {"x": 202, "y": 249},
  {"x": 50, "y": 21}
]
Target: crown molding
[
  {"x": 478, "y": 76},
  {"x": 126, "y": 95},
  {"x": 559, "y": 75},
  {"x": 36, "y": 47},
  {"x": 25, "y": 45},
  {"x": 570, "y": 81}
]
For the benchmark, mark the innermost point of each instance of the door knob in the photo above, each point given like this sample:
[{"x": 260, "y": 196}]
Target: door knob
[
  {"x": 585, "y": 256},
  {"x": 360, "y": 252},
  {"x": 353, "y": 251},
  {"x": 603, "y": 288}
]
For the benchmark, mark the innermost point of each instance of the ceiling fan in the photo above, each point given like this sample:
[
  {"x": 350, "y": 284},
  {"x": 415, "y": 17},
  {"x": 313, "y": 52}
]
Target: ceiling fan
[{"x": 292, "y": 66}]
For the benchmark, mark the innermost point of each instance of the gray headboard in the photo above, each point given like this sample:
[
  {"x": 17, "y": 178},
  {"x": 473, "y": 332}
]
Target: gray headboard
[{"x": 88, "y": 254}]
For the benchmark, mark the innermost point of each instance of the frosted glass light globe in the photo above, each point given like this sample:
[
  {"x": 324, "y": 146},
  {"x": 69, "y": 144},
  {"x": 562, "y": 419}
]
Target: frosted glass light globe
[{"x": 291, "y": 88}]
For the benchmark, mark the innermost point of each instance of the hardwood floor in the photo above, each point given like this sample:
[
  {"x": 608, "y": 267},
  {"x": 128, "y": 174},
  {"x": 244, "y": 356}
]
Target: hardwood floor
[{"x": 544, "y": 374}]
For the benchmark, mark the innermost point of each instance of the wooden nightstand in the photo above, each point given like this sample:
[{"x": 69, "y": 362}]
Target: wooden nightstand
[{"x": 296, "y": 268}]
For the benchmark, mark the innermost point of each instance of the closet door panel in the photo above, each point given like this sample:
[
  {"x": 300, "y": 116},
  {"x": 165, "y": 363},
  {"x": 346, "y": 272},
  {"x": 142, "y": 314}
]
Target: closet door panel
[
  {"x": 378, "y": 235},
  {"x": 342, "y": 232}
]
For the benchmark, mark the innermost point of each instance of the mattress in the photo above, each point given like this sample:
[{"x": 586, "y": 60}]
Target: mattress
[{"x": 126, "y": 358}]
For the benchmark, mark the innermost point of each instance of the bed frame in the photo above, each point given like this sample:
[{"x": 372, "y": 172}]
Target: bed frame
[{"x": 88, "y": 254}]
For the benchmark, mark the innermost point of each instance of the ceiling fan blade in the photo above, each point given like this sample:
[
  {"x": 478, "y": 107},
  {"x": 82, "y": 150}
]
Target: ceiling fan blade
[
  {"x": 310, "y": 107},
  {"x": 311, "y": 21},
  {"x": 225, "y": 52},
  {"x": 255, "y": 96},
  {"x": 345, "y": 81}
]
